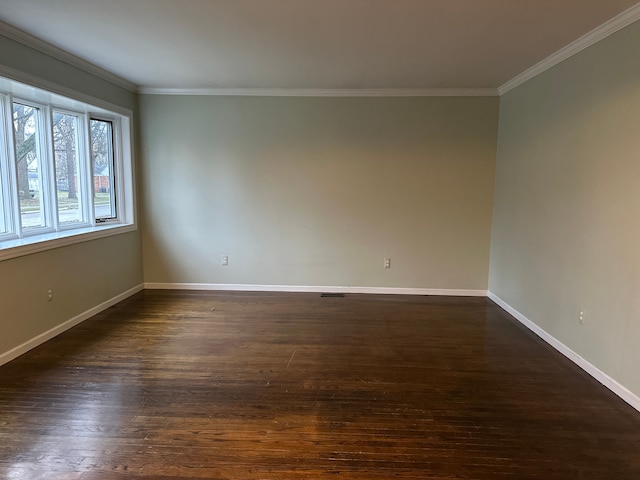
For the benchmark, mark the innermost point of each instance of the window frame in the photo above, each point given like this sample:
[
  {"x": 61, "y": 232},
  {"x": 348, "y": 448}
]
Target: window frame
[
  {"x": 6, "y": 203},
  {"x": 82, "y": 174},
  {"x": 114, "y": 178},
  {"x": 44, "y": 172},
  {"x": 47, "y": 98}
]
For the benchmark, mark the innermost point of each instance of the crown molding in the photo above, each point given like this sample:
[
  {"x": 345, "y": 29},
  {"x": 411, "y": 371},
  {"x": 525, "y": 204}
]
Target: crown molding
[
  {"x": 618, "y": 22},
  {"x": 30, "y": 41},
  {"x": 322, "y": 92}
]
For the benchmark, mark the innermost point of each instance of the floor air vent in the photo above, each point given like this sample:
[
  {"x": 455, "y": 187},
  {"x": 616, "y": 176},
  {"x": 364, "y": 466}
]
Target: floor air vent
[{"x": 333, "y": 295}]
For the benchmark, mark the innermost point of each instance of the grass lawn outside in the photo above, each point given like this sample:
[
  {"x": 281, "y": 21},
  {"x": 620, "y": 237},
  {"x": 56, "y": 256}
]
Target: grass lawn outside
[{"x": 64, "y": 202}]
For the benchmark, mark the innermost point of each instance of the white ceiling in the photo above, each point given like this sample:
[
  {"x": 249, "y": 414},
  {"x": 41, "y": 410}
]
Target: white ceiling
[{"x": 312, "y": 44}]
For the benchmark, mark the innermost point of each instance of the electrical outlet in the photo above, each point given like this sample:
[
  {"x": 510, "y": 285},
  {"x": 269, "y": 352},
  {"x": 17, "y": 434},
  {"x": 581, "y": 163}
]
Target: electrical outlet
[
  {"x": 224, "y": 259},
  {"x": 49, "y": 294},
  {"x": 387, "y": 263},
  {"x": 581, "y": 315}
]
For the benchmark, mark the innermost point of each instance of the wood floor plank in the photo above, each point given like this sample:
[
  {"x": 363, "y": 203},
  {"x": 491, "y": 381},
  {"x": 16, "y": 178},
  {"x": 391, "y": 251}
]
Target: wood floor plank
[{"x": 186, "y": 385}]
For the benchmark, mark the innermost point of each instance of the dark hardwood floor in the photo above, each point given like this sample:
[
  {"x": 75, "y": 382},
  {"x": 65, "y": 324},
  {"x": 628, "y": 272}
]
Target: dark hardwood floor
[{"x": 292, "y": 386}]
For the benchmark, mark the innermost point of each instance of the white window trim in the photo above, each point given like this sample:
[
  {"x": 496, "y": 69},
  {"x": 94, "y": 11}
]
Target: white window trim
[
  {"x": 45, "y": 169},
  {"x": 39, "y": 243},
  {"x": 12, "y": 247}
]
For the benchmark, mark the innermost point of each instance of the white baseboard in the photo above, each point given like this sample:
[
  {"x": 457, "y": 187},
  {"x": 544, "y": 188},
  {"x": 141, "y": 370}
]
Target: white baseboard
[
  {"x": 617, "y": 388},
  {"x": 620, "y": 390},
  {"x": 57, "y": 330},
  {"x": 314, "y": 289}
]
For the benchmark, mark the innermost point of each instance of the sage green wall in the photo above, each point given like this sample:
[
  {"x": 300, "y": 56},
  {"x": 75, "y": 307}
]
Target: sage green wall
[
  {"x": 566, "y": 222},
  {"x": 84, "y": 275},
  {"x": 33, "y": 62},
  {"x": 317, "y": 191}
]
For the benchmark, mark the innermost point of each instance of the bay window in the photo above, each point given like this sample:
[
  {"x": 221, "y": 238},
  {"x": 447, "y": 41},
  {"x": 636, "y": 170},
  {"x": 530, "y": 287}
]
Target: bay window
[{"x": 66, "y": 170}]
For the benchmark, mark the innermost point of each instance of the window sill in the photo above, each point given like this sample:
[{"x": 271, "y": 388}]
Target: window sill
[{"x": 48, "y": 241}]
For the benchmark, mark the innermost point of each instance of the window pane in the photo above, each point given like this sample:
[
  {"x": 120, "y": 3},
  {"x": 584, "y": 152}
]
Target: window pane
[
  {"x": 102, "y": 163},
  {"x": 26, "y": 126},
  {"x": 65, "y": 145},
  {"x": 3, "y": 225}
]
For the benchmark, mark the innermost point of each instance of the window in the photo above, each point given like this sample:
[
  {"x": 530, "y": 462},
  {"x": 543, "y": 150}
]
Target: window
[
  {"x": 65, "y": 170},
  {"x": 27, "y": 131},
  {"x": 102, "y": 161},
  {"x": 69, "y": 185}
]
